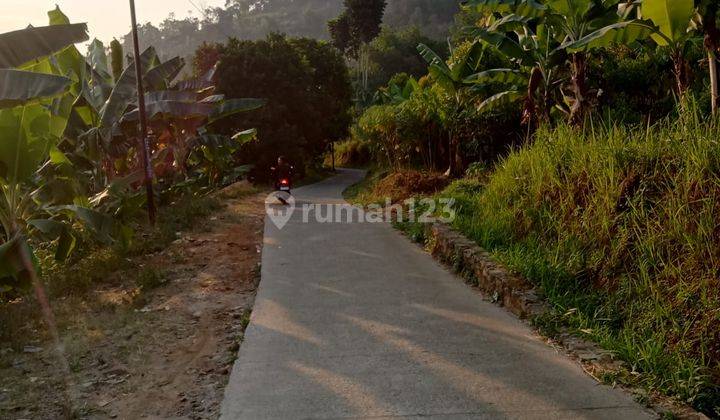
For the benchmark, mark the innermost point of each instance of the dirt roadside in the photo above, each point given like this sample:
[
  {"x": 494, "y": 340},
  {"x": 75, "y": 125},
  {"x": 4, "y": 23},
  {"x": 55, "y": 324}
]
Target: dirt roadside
[{"x": 166, "y": 355}]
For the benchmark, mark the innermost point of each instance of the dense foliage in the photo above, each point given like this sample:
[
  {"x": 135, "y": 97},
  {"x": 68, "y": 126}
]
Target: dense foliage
[
  {"x": 309, "y": 96},
  {"x": 70, "y": 147},
  {"x": 394, "y": 51},
  {"x": 517, "y": 65}
]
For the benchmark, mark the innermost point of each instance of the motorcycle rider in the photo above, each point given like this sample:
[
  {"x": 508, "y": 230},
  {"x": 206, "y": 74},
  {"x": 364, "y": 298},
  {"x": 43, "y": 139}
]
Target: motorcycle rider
[{"x": 283, "y": 170}]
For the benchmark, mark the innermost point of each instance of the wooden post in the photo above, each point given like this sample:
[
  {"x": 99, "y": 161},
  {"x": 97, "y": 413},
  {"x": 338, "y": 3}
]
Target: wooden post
[{"x": 144, "y": 145}]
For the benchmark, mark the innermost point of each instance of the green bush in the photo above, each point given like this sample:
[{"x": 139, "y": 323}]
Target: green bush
[{"x": 619, "y": 229}]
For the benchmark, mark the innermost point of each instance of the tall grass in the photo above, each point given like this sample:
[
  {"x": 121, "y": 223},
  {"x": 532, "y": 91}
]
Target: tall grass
[{"x": 620, "y": 229}]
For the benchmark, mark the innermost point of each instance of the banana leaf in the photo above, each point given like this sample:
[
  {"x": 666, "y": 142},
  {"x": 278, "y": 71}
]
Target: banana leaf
[
  {"x": 506, "y": 76},
  {"x": 11, "y": 259},
  {"x": 467, "y": 63},
  {"x": 98, "y": 59},
  {"x": 623, "y": 33},
  {"x": 432, "y": 58},
  {"x": 234, "y": 106},
  {"x": 161, "y": 76},
  {"x": 123, "y": 95},
  {"x": 194, "y": 85},
  {"x": 53, "y": 229},
  {"x": 163, "y": 110},
  {"x": 102, "y": 225},
  {"x": 503, "y": 43},
  {"x": 19, "y": 87},
  {"x": 499, "y": 100},
  {"x": 673, "y": 17},
  {"x": 213, "y": 99},
  {"x": 171, "y": 95},
  {"x": 23, "y": 46},
  {"x": 26, "y": 135},
  {"x": 201, "y": 83},
  {"x": 246, "y": 136}
]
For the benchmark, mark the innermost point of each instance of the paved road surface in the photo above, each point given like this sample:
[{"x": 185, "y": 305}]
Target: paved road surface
[{"x": 354, "y": 321}]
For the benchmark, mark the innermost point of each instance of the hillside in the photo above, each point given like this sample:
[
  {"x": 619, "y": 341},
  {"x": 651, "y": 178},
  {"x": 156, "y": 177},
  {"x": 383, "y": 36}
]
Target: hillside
[{"x": 250, "y": 19}]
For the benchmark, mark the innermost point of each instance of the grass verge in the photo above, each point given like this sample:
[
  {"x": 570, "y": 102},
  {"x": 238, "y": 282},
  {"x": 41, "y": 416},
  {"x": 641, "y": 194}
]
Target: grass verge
[{"x": 618, "y": 229}]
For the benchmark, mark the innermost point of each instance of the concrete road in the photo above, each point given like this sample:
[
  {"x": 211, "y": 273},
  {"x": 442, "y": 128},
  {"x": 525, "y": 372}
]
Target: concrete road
[{"x": 354, "y": 321}]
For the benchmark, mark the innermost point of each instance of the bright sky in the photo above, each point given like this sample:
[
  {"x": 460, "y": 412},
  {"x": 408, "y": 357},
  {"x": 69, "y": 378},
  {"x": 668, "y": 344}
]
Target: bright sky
[{"x": 106, "y": 19}]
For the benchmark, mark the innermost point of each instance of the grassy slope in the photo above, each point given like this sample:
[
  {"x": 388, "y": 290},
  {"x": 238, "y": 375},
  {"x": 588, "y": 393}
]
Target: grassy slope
[{"x": 620, "y": 229}]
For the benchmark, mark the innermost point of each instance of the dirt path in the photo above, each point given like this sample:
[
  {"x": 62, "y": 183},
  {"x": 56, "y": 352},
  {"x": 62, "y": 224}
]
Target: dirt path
[{"x": 168, "y": 357}]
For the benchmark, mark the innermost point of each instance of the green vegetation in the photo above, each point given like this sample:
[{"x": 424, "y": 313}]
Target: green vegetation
[
  {"x": 352, "y": 32},
  {"x": 394, "y": 51},
  {"x": 307, "y": 86},
  {"x": 618, "y": 228},
  {"x": 582, "y": 146},
  {"x": 70, "y": 172}
]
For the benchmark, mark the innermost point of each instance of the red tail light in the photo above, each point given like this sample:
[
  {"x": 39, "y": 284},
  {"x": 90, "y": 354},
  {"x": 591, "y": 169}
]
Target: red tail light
[{"x": 284, "y": 182}]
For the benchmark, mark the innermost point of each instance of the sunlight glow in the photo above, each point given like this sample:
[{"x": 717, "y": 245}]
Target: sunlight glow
[{"x": 106, "y": 20}]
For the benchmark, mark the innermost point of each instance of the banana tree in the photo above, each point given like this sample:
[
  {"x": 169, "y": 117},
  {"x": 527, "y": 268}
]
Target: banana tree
[
  {"x": 675, "y": 30},
  {"x": 574, "y": 25},
  {"x": 395, "y": 93},
  {"x": 95, "y": 141},
  {"x": 182, "y": 122},
  {"x": 33, "y": 115},
  {"x": 537, "y": 79},
  {"x": 452, "y": 78},
  {"x": 212, "y": 155}
]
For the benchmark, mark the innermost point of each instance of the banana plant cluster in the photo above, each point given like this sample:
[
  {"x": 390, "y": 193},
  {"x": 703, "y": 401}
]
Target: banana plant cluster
[
  {"x": 68, "y": 139},
  {"x": 458, "y": 78},
  {"x": 395, "y": 93},
  {"x": 549, "y": 42}
]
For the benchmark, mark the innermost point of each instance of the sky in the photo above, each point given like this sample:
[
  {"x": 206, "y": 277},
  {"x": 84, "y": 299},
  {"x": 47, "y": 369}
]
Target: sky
[{"x": 106, "y": 19}]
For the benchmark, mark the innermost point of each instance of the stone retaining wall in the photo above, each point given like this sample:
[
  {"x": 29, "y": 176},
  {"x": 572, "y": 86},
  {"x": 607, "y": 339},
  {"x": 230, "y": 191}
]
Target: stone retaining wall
[
  {"x": 479, "y": 269},
  {"x": 518, "y": 295}
]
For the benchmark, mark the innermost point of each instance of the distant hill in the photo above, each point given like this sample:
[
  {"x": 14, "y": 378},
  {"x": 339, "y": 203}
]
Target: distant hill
[{"x": 253, "y": 19}]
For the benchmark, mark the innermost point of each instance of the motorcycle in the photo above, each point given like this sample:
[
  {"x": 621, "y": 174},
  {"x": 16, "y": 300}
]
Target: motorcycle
[{"x": 283, "y": 184}]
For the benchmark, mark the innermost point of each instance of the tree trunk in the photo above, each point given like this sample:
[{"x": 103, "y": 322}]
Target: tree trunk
[
  {"x": 455, "y": 157},
  {"x": 712, "y": 43},
  {"x": 579, "y": 86},
  {"x": 681, "y": 72},
  {"x": 712, "y": 61}
]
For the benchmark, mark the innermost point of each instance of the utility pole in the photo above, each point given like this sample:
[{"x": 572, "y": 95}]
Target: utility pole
[{"x": 144, "y": 144}]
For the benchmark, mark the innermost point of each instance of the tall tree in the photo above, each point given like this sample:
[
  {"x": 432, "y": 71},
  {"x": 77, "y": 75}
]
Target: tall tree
[
  {"x": 353, "y": 30},
  {"x": 206, "y": 57},
  {"x": 309, "y": 96}
]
